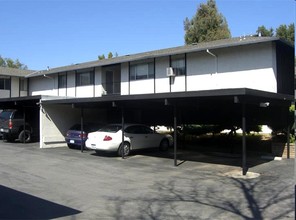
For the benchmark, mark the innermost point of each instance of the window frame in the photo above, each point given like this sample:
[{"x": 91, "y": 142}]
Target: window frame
[
  {"x": 175, "y": 60},
  {"x": 5, "y": 83},
  {"x": 62, "y": 80},
  {"x": 137, "y": 70},
  {"x": 89, "y": 73},
  {"x": 23, "y": 84}
]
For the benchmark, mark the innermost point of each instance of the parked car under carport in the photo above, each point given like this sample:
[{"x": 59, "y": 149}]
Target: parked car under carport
[{"x": 73, "y": 136}]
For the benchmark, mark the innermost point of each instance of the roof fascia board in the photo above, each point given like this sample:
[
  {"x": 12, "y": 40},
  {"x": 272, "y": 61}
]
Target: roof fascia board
[{"x": 178, "y": 95}]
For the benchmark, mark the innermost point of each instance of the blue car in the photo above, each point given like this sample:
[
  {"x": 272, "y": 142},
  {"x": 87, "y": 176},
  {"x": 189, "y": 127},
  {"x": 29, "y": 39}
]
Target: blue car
[{"x": 73, "y": 135}]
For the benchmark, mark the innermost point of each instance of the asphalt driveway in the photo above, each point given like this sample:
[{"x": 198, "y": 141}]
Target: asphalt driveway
[{"x": 62, "y": 183}]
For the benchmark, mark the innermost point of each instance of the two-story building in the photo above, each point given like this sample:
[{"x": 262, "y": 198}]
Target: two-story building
[
  {"x": 13, "y": 82},
  {"x": 200, "y": 83}
]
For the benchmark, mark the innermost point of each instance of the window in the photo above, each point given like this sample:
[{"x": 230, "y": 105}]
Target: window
[
  {"x": 4, "y": 82},
  {"x": 23, "y": 84},
  {"x": 142, "y": 70},
  {"x": 85, "y": 78},
  {"x": 62, "y": 80},
  {"x": 178, "y": 64}
]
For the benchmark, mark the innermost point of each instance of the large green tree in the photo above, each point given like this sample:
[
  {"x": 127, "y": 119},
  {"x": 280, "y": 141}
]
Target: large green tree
[
  {"x": 264, "y": 32},
  {"x": 284, "y": 31},
  {"x": 8, "y": 62},
  {"x": 207, "y": 25}
]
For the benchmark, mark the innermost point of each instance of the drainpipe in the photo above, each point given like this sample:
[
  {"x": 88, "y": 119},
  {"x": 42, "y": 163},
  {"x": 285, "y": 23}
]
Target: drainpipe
[{"x": 216, "y": 59}]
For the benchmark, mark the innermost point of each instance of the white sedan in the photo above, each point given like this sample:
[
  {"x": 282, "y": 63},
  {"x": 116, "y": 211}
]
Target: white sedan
[{"x": 136, "y": 136}]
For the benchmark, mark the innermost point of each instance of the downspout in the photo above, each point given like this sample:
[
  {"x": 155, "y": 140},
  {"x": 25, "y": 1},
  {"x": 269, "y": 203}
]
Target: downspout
[{"x": 216, "y": 59}]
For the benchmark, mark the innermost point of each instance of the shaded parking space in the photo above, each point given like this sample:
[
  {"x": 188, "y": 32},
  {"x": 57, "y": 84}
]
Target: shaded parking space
[
  {"x": 227, "y": 108},
  {"x": 146, "y": 185},
  {"x": 19, "y": 205}
]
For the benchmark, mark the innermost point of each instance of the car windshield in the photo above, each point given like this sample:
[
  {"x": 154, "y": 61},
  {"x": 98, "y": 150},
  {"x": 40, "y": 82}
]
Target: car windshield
[
  {"x": 5, "y": 115},
  {"x": 111, "y": 128}
]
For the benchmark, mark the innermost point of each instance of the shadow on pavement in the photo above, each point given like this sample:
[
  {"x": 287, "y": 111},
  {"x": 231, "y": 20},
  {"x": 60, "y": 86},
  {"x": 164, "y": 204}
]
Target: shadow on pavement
[
  {"x": 206, "y": 157},
  {"x": 19, "y": 205}
]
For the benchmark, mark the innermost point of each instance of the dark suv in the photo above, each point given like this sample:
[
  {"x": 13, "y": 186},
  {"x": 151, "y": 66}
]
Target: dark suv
[{"x": 15, "y": 125}]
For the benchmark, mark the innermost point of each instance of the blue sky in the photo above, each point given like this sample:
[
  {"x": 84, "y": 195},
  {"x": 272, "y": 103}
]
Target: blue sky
[{"x": 54, "y": 33}]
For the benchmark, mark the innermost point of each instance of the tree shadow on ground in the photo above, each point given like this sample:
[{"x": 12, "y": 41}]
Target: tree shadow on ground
[
  {"x": 18, "y": 205},
  {"x": 206, "y": 199}
]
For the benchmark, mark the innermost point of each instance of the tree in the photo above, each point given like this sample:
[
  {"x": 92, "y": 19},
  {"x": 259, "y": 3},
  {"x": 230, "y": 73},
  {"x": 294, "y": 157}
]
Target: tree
[
  {"x": 283, "y": 31},
  {"x": 286, "y": 32},
  {"x": 207, "y": 25},
  {"x": 8, "y": 62},
  {"x": 110, "y": 55},
  {"x": 101, "y": 57},
  {"x": 262, "y": 31}
]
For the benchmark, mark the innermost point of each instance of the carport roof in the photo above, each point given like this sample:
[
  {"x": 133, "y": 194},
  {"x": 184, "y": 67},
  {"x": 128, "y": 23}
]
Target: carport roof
[
  {"x": 223, "y": 106},
  {"x": 246, "y": 95},
  {"x": 232, "y": 42},
  {"x": 14, "y": 102}
]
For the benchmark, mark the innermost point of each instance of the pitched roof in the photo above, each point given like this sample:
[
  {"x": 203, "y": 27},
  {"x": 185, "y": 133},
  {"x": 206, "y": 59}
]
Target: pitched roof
[
  {"x": 232, "y": 42},
  {"x": 5, "y": 71}
]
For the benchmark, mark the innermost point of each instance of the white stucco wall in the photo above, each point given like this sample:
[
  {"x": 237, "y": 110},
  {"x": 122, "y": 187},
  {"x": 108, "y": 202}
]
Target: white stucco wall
[
  {"x": 250, "y": 67},
  {"x": 142, "y": 86},
  {"x": 98, "y": 82},
  {"x": 71, "y": 84},
  {"x": 43, "y": 86},
  {"x": 85, "y": 91},
  {"x": 4, "y": 93},
  {"x": 55, "y": 120},
  {"x": 124, "y": 79},
  {"x": 178, "y": 84},
  {"x": 162, "y": 83},
  {"x": 23, "y": 93},
  {"x": 15, "y": 87}
]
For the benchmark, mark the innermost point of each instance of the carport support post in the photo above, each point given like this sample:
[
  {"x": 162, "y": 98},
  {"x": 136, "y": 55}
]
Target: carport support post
[
  {"x": 244, "y": 152},
  {"x": 122, "y": 136},
  {"x": 175, "y": 135},
  {"x": 288, "y": 142},
  {"x": 24, "y": 138},
  {"x": 81, "y": 130}
]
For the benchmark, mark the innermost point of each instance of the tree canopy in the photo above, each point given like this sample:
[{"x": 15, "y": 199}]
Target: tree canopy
[
  {"x": 284, "y": 31},
  {"x": 7, "y": 62},
  {"x": 207, "y": 25},
  {"x": 110, "y": 55}
]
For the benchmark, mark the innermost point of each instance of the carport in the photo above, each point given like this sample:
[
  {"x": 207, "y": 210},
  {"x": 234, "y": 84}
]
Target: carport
[
  {"x": 29, "y": 106},
  {"x": 238, "y": 107}
]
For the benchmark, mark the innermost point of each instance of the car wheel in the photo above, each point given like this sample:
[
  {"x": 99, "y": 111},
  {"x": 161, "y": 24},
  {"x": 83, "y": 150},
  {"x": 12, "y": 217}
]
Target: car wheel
[
  {"x": 71, "y": 146},
  {"x": 164, "y": 145},
  {"x": 24, "y": 136},
  {"x": 126, "y": 149}
]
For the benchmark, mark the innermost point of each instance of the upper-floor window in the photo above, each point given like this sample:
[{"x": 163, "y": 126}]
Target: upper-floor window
[
  {"x": 142, "y": 70},
  {"x": 23, "y": 84},
  {"x": 5, "y": 83},
  {"x": 62, "y": 80},
  {"x": 178, "y": 64},
  {"x": 85, "y": 78}
]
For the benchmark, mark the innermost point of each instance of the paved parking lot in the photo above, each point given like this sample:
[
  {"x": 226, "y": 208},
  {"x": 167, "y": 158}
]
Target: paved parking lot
[{"x": 67, "y": 184}]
